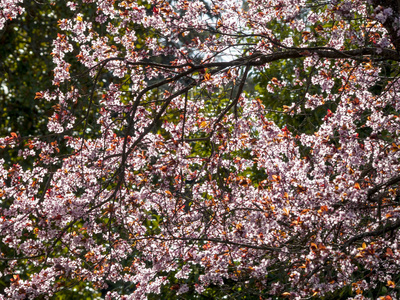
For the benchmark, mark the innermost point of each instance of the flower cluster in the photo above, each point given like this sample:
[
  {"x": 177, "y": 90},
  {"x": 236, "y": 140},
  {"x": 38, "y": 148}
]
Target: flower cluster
[{"x": 9, "y": 9}]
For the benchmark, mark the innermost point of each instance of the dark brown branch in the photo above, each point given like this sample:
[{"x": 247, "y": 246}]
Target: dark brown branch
[
  {"x": 390, "y": 182},
  {"x": 235, "y": 101},
  {"x": 378, "y": 232},
  {"x": 258, "y": 59}
]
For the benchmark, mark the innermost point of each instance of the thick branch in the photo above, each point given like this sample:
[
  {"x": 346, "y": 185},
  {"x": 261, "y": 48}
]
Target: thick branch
[
  {"x": 377, "y": 232},
  {"x": 390, "y": 182},
  {"x": 258, "y": 59}
]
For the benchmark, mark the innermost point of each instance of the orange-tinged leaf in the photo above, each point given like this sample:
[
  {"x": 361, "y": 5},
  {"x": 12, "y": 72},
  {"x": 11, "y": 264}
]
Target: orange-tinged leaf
[
  {"x": 286, "y": 211},
  {"x": 389, "y": 252},
  {"x": 368, "y": 66},
  {"x": 370, "y": 24},
  {"x": 357, "y": 186},
  {"x": 276, "y": 177},
  {"x": 38, "y": 95},
  {"x": 239, "y": 226},
  {"x": 203, "y": 124},
  {"x": 323, "y": 208},
  {"x": 301, "y": 189},
  {"x": 391, "y": 284}
]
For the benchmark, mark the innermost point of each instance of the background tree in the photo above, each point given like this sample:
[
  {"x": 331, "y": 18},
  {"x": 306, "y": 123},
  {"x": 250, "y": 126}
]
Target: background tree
[{"x": 176, "y": 177}]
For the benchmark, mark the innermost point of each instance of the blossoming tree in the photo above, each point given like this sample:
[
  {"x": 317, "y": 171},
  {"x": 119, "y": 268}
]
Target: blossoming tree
[{"x": 175, "y": 177}]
